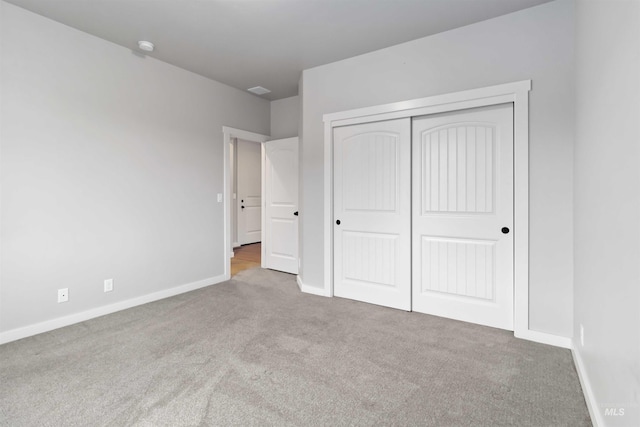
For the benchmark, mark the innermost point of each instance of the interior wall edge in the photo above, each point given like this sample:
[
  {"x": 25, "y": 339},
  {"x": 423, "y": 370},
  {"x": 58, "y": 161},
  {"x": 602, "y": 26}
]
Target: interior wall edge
[{"x": 312, "y": 290}]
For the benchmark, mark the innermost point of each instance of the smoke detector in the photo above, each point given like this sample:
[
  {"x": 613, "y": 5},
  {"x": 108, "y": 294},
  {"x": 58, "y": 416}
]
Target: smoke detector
[
  {"x": 258, "y": 90},
  {"x": 146, "y": 46}
]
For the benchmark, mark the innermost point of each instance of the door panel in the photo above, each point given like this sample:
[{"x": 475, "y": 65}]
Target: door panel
[
  {"x": 372, "y": 203},
  {"x": 281, "y": 179},
  {"x": 462, "y": 198},
  {"x": 458, "y": 174},
  {"x": 458, "y": 266},
  {"x": 249, "y": 192},
  {"x": 370, "y": 258}
]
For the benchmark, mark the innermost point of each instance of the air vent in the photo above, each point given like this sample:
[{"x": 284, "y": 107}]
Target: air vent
[{"x": 258, "y": 90}]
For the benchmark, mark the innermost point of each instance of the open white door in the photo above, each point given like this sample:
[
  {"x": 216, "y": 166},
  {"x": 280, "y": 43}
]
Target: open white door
[
  {"x": 372, "y": 196},
  {"x": 249, "y": 192},
  {"x": 463, "y": 215},
  {"x": 281, "y": 207}
]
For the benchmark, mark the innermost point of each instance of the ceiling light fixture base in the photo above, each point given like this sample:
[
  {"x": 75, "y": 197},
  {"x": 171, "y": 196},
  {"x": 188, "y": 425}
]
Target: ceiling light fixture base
[{"x": 146, "y": 46}]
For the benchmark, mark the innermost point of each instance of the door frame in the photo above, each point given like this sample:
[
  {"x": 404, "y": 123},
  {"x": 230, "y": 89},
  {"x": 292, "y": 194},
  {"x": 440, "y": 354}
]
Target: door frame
[
  {"x": 516, "y": 93},
  {"x": 228, "y": 133}
]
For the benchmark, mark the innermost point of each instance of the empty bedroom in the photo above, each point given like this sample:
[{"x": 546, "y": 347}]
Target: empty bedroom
[{"x": 320, "y": 212}]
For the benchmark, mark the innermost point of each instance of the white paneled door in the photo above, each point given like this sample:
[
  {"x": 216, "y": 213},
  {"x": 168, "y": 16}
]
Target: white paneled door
[
  {"x": 249, "y": 192},
  {"x": 462, "y": 215},
  {"x": 372, "y": 208},
  {"x": 281, "y": 207}
]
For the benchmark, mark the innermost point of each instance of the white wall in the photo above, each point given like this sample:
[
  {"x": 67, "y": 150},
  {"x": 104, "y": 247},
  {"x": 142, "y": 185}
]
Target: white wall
[
  {"x": 607, "y": 205},
  {"x": 285, "y": 117},
  {"x": 535, "y": 44},
  {"x": 110, "y": 167}
]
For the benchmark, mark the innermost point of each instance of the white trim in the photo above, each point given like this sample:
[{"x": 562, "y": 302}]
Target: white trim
[
  {"x": 328, "y": 207},
  {"x": 427, "y": 110},
  {"x": 592, "y": 404},
  {"x": 227, "y": 134},
  {"x": 521, "y": 212},
  {"x": 545, "y": 338},
  {"x": 243, "y": 134},
  {"x": 49, "y": 325},
  {"x": 412, "y": 107},
  {"x": 518, "y": 94},
  {"x": 263, "y": 202},
  {"x": 311, "y": 289}
]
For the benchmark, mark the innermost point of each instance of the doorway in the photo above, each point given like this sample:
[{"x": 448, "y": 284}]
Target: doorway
[
  {"x": 230, "y": 197},
  {"x": 278, "y": 203},
  {"x": 247, "y": 193},
  {"x": 246, "y": 182}
]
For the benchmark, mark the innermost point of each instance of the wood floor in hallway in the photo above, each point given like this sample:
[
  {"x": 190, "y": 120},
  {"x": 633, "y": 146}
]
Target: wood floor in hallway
[{"x": 245, "y": 257}]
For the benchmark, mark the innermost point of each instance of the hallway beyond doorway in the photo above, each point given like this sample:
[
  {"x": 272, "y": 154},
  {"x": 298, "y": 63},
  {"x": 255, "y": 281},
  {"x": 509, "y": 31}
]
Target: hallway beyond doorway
[{"x": 245, "y": 257}]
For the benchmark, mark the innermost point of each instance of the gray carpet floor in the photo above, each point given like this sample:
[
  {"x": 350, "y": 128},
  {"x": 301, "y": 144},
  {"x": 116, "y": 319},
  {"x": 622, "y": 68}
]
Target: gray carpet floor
[{"x": 255, "y": 351}]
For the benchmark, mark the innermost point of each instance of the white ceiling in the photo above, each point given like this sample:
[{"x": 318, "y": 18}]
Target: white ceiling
[{"x": 246, "y": 43}]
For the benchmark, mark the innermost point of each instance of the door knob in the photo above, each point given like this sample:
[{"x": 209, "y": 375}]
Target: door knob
[
  {"x": 242, "y": 207},
  {"x": 505, "y": 230},
  {"x": 338, "y": 222},
  {"x": 296, "y": 213}
]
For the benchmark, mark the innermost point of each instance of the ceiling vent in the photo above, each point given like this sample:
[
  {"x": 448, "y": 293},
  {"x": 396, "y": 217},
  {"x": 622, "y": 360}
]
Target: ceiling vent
[{"x": 258, "y": 90}]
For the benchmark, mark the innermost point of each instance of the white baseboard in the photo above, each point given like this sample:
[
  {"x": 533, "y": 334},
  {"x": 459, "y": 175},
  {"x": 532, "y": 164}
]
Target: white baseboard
[
  {"x": 545, "y": 338},
  {"x": 49, "y": 325},
  {"x": 589, "y": 396},
  {"x": 536, "y": 336},
  {"x": 311, "y": 289}
]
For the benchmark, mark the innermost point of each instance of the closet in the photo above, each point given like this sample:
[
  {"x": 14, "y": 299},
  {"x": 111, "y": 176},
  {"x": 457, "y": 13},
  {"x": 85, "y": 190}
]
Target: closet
[{"x": 423, "y": 213}]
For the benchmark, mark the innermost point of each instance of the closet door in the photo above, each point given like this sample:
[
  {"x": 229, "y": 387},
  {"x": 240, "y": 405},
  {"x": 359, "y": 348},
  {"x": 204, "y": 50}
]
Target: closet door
[
  {"x": 462, "y": 215},
  {"x": 372, "y": 235}
]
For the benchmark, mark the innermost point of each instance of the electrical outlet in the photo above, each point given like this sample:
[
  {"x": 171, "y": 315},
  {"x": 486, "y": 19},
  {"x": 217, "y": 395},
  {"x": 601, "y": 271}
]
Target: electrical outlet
[
  {"x": 108, "y": 285},
  {"x": 581, "y": 335},
  {"x": 63, "y": 295},
  {"x": 219, "y": 197}
]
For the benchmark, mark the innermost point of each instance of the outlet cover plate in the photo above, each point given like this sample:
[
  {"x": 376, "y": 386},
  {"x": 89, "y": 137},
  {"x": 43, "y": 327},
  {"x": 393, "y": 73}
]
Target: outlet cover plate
[
  {"x": 108, "y": 285},
  {"x": 63, "y": 295}
]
